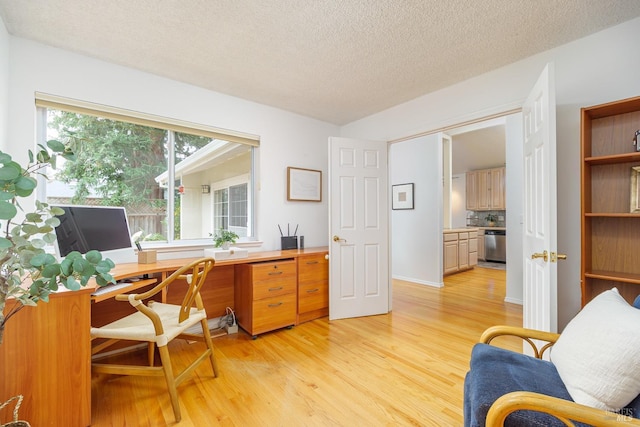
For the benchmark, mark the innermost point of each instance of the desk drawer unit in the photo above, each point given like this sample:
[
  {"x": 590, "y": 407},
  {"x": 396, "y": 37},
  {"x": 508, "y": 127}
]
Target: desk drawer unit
[
  {"x": 313, "y": 287},
  {"x": 265, "y": 295}
]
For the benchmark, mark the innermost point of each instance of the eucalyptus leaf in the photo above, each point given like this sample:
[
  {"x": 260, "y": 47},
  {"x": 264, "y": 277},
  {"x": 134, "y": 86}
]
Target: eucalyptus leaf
[
  {"x": 33, "y": 217},
  {"x": 30, "y": 228},
  {"x": 57, "y": 211},
  {"x": 26, "y": 183},
  {"x": 9, "y": 172},
  {"x": 7, "y": 210},
  {"x": 5, "y": 243},
  {"x": 72, "y": 284},
  {"x": 51, "y": 270},
  {"x": 50, "y": 238},
  {"x": 56, "y": 146},
  {"x": 93, "y": 256}
]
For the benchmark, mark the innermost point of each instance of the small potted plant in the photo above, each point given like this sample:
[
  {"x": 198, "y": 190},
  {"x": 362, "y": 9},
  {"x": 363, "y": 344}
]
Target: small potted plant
[
  {"x": 225, "y": 238},
  {"x": 491, "y": 219}
]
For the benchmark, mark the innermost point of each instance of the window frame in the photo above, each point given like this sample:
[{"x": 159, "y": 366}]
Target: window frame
[{"x": 44, "y": 102}]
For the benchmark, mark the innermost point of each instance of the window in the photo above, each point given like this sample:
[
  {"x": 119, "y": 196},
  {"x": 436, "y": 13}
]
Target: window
[
  {"x": 159, "y": 171},
  {"x": 231, "y": 209}
]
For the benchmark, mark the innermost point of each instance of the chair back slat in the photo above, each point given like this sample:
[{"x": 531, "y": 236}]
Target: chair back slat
[{"x": 198, "y": 271}]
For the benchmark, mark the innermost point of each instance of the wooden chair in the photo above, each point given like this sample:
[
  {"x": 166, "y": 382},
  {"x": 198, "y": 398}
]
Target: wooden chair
[
  {"x": 157, "y": 324},
  {"x": 534, "y": 408}
]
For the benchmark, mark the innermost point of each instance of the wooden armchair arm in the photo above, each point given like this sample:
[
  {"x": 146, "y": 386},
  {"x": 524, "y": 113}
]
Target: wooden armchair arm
[
  {"x": 526, "y": 334},
  {"x": 565, "y": 410}
]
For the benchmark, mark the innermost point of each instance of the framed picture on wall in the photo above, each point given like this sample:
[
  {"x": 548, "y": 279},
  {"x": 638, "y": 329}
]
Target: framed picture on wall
[
  {"x": 402, "y": 196},
  {"x": 304, "y": 184}
]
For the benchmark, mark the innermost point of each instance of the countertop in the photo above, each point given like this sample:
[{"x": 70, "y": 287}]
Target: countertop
[
  {"x": 460, "y": 230},
  {"x": 463, "y": 229}
]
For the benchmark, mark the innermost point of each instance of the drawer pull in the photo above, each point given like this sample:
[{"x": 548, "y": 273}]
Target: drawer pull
[
  {"x": 312, "y": 262},
  {"x": 278, "y": 304},
  {"x": 275, "y": 273},
  {"x": 279, "y": 288},
  {"x": 311, "y": 291}
]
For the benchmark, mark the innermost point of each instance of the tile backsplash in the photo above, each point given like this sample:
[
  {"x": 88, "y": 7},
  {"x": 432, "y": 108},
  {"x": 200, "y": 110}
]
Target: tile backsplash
[{"x": 484, "y": 218}]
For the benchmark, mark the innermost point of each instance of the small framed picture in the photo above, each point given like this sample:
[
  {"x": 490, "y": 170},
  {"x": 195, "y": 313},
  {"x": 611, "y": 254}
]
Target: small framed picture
[
  {"x": 402, "y": 196},
  {"x": 304, "y": 184}
]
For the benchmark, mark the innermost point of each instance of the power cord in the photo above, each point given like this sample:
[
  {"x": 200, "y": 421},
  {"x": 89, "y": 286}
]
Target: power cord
[{"x": 228, "y": 321}]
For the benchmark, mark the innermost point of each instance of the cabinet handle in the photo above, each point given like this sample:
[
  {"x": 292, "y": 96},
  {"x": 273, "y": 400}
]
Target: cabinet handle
[
  {"x": 274, "y": 273},
  {"x": 312, "y": 262},
  {"x": 279, "y": 288},
  {"x": 276, "y": 304},
  {"x": 310, "y": 291}
]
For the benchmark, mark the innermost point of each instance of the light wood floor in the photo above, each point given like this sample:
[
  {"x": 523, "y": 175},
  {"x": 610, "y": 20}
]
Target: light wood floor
[{"x": 404, "y": 368}]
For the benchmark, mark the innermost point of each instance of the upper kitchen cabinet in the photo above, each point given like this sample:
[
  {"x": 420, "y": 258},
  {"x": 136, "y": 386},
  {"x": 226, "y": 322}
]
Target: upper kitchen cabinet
[
  {"x": 486, "y": 189},
  {"x": 610, "y": 199}
]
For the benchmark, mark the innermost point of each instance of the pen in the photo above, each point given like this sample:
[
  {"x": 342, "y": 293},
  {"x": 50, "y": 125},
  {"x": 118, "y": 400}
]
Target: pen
[{"x": 138, "y": 246}]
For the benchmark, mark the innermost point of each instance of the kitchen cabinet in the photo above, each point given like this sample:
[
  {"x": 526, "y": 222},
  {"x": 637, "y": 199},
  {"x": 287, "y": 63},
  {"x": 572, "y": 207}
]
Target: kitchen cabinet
[
  {"x": 497, "y": 189},
  {"x": 460, "y": 249},
  {"x": 472, "y": 191},
  {"x": 610, "y": 218},
  {"x": 481, "y": 245},
  {"x": 450, "y": 253},
  {"x": 486, "y": 189}
]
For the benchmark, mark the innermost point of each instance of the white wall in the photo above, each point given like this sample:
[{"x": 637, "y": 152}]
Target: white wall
[
  {"x": 416, "y": 234},
  {"x": 600, "y": 68},
  {"x": 286, "y": 139},
  {"x": 4, "y": 86}
]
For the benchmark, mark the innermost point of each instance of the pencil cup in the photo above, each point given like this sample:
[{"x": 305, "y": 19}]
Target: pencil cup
[{"x": 147, "y": 257}]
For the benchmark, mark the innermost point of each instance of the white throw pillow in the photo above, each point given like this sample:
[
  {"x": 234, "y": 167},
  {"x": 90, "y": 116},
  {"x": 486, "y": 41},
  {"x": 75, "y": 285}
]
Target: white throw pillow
[{"x": 598, "y": 353}]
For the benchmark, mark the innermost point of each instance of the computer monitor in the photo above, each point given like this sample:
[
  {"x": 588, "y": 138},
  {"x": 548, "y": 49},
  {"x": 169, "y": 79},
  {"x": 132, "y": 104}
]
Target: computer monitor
[{"x": 101, "y": 228}]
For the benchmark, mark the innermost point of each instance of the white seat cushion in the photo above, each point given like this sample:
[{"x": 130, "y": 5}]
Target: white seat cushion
[
  {"x": 139, "y": 327},
  {"x": 597, "y": 355}
]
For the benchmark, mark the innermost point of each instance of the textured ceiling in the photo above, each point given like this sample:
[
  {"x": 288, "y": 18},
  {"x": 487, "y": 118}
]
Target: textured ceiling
[{"x": 334, "y": 60}]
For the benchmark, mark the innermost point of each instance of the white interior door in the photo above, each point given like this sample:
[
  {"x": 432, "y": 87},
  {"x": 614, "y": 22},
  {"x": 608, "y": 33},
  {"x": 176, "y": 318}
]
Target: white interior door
[
  {"x": 540, "y": 205},
  {"x": 359, "y": 273}
]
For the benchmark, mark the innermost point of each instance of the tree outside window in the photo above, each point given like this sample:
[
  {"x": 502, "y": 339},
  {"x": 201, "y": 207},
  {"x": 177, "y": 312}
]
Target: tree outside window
[{"x": 126, "y": 164}]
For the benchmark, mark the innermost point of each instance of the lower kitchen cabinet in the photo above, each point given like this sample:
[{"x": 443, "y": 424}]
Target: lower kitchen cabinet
[{"x": 460, "y": 250}]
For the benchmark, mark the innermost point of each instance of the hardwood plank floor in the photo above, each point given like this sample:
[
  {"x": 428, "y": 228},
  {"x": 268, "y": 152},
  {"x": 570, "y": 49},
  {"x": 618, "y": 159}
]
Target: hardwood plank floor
[{"x": 403, "y": 368}]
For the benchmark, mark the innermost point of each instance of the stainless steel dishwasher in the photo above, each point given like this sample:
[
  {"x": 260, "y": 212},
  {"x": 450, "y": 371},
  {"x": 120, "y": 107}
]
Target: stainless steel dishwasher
[{"x": 495, "y": 245}]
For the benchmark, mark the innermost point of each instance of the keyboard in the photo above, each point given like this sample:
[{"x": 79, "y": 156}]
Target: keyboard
[{"x": 110, "y": 288}]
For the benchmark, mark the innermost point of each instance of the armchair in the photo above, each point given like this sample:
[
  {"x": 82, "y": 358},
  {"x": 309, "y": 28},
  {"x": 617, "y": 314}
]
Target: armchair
[
  {"x": 592, "y": 376},
  {"x": 513, "y": 389}
]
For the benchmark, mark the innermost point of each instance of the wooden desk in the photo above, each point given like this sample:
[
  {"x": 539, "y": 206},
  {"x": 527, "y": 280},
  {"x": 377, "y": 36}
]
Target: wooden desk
[{"x": 46, "y": 354}]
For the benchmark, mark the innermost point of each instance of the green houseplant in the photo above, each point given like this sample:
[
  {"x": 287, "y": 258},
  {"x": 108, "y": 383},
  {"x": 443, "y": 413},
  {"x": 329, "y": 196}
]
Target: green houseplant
[
  {"x": 224, "y": 238},
  {"x": 491, "y": 219},
  {"x": 28, "y": 273}
]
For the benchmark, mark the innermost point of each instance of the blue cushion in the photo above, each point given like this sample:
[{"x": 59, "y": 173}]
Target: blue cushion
[{"x": 495, "y": 372}]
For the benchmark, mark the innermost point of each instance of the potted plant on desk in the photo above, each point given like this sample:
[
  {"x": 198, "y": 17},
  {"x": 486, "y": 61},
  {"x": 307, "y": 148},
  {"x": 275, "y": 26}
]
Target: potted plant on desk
[
  {"x": 28, "y": 274},
  {"x": 225, "y": 238}
]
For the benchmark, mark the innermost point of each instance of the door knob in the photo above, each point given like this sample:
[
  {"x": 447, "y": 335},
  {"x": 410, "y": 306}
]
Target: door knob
[
  {"x": 555, "y": 257},
  {"x": 544, "y": 255},
  {"x": 337, "y": 239}
]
